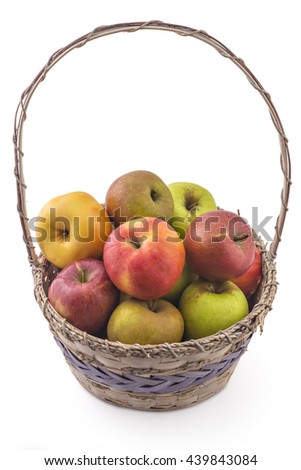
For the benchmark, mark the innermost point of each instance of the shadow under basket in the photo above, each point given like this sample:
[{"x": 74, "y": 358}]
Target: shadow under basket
[{"x": 164, "y": 376}]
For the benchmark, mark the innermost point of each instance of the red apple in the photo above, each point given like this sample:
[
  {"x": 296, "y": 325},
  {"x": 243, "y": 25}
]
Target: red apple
[
  {"x": 219, "y": 245},
  {"x": 144, "y": 257},
  {"x": 250, "y": 279},
  {"x": 84, "y": 294}
]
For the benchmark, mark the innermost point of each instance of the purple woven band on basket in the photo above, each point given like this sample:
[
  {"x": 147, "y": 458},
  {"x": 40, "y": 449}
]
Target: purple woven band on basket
[{"x": 154, "y": 384}]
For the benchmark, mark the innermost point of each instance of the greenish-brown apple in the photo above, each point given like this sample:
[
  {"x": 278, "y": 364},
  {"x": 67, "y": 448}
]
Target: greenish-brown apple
[
  {"x": 145, "y": 322},
  {"x": 138, "y": 194},
  {"x": 190, "y": 201},
  {"x": 208, "y": 307},
  {"x": 184, "y": 280}
]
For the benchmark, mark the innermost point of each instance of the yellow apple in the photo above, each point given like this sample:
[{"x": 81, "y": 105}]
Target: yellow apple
[{"x": 72, "y": 226}]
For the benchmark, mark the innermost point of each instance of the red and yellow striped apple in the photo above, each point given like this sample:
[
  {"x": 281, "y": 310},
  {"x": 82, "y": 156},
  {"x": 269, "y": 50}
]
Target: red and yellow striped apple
[{"x": 144, "y": 257}]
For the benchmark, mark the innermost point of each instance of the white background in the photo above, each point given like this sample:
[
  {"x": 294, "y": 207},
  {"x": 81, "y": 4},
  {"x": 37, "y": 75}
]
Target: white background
[{"x": 174, "y": 106}]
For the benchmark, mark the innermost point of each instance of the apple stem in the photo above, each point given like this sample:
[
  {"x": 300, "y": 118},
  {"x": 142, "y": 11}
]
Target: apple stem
[
  {"x": 135, "y": 243},
  {"x": 82, "y": 276},
  {"x": 154, "y": 195},
  {"x": 152, "y": 305},
  {"x": 240, "y": 238},
  {"x": 192, "y": 206},
  {"x": 211, "y": 288}
]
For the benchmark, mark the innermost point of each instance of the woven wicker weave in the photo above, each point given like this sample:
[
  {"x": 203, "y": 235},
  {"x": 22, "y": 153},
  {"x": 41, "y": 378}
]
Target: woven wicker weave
[{"x": 164, "y": 376}]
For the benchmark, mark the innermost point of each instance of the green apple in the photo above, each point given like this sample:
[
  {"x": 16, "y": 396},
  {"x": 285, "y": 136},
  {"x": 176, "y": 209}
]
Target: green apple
[
  {"x": 145, "y": 322},
  {"x": 208, "y": 307},
  {"x": 184, "y": 280},
  {"x": 138, "y": 194},
  {"x": 190, "y": 201}
]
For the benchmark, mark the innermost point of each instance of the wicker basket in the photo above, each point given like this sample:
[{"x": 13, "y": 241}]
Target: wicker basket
[{"x": 164, "y": 376}]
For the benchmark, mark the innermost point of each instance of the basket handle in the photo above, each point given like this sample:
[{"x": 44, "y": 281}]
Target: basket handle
[{"x": 98, "y": 32}]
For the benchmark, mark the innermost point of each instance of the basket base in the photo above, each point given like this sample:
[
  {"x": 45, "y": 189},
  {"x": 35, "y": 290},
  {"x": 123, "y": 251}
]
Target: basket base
[{"x": 156, "y": 402}]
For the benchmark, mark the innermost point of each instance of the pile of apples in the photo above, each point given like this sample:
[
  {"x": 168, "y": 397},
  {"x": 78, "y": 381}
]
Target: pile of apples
[{"x": 155, "y": 263}]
